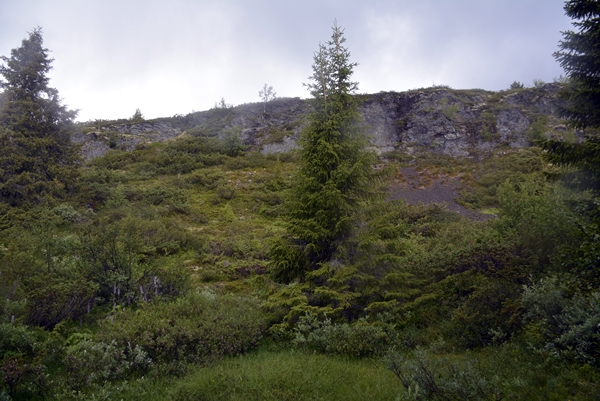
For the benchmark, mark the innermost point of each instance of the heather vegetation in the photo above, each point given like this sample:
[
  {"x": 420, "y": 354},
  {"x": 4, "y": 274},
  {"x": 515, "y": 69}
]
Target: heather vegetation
[{"x": 195, "y": 269}]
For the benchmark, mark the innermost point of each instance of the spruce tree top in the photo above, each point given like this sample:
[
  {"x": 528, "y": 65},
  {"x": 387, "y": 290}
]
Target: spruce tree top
[
  {"x": 29, "y": 103},
  {"x": 332, "y": 72}
]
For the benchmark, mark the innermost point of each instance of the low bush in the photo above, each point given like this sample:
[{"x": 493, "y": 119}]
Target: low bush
[
  {"x": 430, "y": 378},
  {"x": 199, "y": 327},
  {"x": 359, "y": 339},
  {"x": 563, "y": 324},
  {"x": 94, "y": 363},
  {"x": 207, "y": 178}
]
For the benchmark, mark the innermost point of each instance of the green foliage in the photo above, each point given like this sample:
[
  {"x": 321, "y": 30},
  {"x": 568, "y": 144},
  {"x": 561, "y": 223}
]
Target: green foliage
[
  {"x": 537, "y": 129},
  {"x": 579, "y": 57},
  {"x": 137, "y": 116},
  {"x": 447, "y": 109},
  {"x": 26, "y": 354},
  {"x": 195, "y": 328},
  {"x": 117, "y": 256},
  {"x": 515, "y": 166},
  {"x": 536, "y": 217},
  {"x": 563, "y": 323},
  {"x": 44, "y": 282},
  {"x": 336, "y": 172},
  {"x": 583, "y": 156},
  {"x": 55, "y": 300},
  {"x": 584, "y": 260},
  {"x": 517, "y": 85},
  {"x": 359, "y": 339},
  {"x": 91, "y": 363},
  {"x": 38, "y": 160},
  {"x": 118, "y": 273},
  {"x": 232, "y": 142},
  {"x": 427, "y": 378}
]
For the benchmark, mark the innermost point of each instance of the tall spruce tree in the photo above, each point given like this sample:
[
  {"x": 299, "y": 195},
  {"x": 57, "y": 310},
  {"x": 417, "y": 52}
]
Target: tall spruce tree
[
  {"x": 579, "y": 55},
  {"x": 37, "y": 157},
  {"x": 580, "y": 58},
  {"x": 336, "y": 170}
]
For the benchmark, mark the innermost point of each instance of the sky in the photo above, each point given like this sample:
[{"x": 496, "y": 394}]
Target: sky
[{"x": 168, "y": 57}]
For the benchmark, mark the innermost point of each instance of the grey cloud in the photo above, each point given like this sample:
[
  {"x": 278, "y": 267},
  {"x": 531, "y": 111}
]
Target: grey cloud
[{"x": 112, "y": 57}]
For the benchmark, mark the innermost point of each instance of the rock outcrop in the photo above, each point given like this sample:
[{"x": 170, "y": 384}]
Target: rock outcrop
[
  {"x": 97, "y": 140},
  {"x": 439, "y": 119}
]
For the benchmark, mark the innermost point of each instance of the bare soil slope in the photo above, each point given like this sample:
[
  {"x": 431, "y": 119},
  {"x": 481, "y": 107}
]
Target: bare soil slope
[{"x": 444, "y": 190}]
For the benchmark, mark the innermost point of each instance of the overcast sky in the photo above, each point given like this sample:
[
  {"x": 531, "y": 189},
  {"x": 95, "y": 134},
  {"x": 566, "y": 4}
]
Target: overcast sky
[{"x": 173, "y": 57}]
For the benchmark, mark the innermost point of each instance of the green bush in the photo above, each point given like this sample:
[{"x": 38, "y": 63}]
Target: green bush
[
  {"x": 430, "y": 378},
  {"x": 25, "y": 355},
  {"x": 359, "y": 339},
  {"x": 196, "y": 328},
  {"x": 565, "y": 324},
  {"x": 94, "y": 363},
  {"x": 531, "y": 212},
  {"x": 226, "y": 192},
  {"x": 207, "y": 178}
]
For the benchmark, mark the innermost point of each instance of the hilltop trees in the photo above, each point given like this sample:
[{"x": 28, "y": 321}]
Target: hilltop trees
[
  {"x": 266, "y": 95},
  {"x": 37, "y": 156}
]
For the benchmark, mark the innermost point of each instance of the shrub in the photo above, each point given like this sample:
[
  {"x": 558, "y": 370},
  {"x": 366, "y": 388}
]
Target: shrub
[
  {"x": 67, "y": 214},
  {"x": 359, "y": 339},
  {"x": 531, "y": 211},
  {"x": 196, "y": 328},
  {"x": 517, "y": 85},
  {"x": 567, "y": 324},
  {"x": 88, "y": 362},
  {"x": 25, "y": 354},
  {"x": 428, "y": 378},
  {"x": 226, "y": 192},
  {"x": 207, "y": 178}
]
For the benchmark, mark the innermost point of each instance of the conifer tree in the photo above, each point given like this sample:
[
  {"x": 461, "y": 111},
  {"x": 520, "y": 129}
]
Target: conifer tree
[
  {"x": 336, "y": 173},
  {"x": 580, "y": 58},
  {"x": 37, "y": 156}
]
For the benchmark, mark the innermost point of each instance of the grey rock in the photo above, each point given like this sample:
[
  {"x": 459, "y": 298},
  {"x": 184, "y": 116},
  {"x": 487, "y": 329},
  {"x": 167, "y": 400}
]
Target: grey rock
[{"x": 441, "y": 120}]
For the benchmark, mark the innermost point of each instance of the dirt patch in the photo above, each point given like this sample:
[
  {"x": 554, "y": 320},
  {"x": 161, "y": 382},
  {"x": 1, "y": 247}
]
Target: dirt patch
[{"x": 415, "y": 188}]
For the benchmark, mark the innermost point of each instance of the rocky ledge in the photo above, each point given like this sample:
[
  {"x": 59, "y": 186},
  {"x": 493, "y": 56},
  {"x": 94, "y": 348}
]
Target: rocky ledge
[{"x": 439, "y": 119}]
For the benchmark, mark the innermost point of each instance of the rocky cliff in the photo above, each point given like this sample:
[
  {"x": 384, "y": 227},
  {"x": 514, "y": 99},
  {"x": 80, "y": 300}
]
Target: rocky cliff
[{"x": 439, "y": 119}]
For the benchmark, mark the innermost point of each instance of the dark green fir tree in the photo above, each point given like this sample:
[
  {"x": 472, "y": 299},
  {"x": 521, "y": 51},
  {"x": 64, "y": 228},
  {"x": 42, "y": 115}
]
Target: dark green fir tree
[
  {"x": 336, "y": 168},
  {"x": 37, "y": 159},
  {"x": 335, "y": 183},
  {"x": 579, "y": 55}
]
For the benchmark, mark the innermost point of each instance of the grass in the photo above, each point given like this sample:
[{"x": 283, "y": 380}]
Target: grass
[
  {"x": 266, "y": 375},
  {"x": 511, "y": 372},
  {"x": 289, "y": 375}
]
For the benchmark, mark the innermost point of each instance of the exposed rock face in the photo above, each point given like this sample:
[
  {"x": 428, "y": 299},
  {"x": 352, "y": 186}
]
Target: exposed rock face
[
  {"x": 447, "y": 121},
  {"x": 99, "y": 140},
  {"x": 456, "y": 123}
]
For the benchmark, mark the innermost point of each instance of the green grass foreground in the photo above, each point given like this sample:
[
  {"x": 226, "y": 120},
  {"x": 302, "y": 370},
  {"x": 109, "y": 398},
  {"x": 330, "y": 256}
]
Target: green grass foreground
[
  {"x": 289, "y": 376},
  {"x": 507, "y": 372},
  {"x": 268, "y": 375}
]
